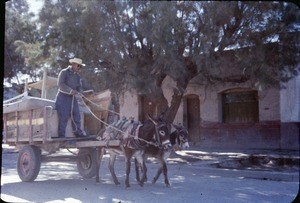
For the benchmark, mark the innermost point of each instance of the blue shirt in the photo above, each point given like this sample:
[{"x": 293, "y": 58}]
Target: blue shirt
[{"x": 68, "y": 80}]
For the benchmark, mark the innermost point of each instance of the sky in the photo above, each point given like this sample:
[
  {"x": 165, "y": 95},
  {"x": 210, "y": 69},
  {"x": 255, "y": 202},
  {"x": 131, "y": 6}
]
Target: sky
[{"x": 35, "y": 5}]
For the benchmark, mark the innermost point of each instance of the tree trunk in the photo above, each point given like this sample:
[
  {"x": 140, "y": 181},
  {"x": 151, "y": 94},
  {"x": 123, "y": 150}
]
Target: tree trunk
[{"x": 175, "y": 102}]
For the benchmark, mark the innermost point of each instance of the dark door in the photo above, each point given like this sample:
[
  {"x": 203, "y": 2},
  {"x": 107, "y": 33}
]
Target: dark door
[
  {"x": 146, "y": 107},
  {"x": 192, "y": 117}
]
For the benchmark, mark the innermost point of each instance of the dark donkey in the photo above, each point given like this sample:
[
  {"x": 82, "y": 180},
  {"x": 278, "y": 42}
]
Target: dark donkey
[
  {"x": 153, "y": 132},
  {"x": 179, "y": 140}
]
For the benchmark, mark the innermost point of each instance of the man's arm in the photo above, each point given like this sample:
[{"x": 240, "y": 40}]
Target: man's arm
[
  {"x": 62, "y": 77},
  {"x": 85, "y": 89},
  {"x": 83, "y": 85}
]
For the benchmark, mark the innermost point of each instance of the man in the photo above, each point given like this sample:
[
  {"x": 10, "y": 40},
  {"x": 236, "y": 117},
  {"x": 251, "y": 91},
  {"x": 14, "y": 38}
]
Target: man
[{"x": 70, "y": 84}]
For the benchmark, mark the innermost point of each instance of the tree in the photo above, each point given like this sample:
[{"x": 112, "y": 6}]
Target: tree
[
  {"x": 19, "y": 29},
  {"x": 137, "y": 44}
]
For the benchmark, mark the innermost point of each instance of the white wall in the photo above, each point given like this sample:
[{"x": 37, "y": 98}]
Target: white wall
[
  {"x": 269, "y": 101},
  {"x": 269, "y": 105},
  {"x": 129, "y": 105},
  {"x": 290, "y": 101}
]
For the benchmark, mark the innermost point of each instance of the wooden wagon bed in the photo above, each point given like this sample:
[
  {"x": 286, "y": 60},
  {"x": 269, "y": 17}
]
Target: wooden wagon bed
[
  {"x": 34, "y": 121},
  {"x": 31, "y": 125}
]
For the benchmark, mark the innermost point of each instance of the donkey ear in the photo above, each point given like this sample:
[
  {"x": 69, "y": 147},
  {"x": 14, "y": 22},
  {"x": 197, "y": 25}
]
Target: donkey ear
[
  {"x": 175, "y": 126},
  {"x": 162, "y": 115},
  {"x": 151, "y": 119},
  {"x": 165, "y": 111}
]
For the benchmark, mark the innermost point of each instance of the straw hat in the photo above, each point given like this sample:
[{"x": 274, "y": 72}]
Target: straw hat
[{"x": 77, "y": 60}]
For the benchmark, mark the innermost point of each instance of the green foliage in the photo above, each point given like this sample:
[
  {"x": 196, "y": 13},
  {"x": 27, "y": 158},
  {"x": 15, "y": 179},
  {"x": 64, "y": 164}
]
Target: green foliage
[
  {"x": 17, "y": 27},
  {"x": 136, "y": 44}
]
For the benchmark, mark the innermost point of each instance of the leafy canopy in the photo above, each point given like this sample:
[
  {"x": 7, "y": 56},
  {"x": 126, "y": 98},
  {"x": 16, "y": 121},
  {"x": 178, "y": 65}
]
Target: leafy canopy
[{"x": 137, "y": 44}]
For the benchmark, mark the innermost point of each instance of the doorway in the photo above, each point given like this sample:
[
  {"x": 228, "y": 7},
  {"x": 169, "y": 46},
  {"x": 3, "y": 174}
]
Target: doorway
[
  {"x": 191, "y": 116},
  {"x": 146, "y": 107}
]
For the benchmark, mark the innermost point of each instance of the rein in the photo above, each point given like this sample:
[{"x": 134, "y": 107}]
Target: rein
[
  {"x": 157, "y": 137},
  {"x": 111, "y": 126}
]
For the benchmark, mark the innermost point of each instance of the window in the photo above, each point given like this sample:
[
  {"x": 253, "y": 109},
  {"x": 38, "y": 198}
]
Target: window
[{"x": 240, "y": 106}]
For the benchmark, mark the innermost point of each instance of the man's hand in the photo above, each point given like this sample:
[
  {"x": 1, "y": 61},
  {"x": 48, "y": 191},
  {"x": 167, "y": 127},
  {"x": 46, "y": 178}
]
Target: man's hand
[
  {"x": 88, "y": 92},
  {"x": 74, "y": 92}
]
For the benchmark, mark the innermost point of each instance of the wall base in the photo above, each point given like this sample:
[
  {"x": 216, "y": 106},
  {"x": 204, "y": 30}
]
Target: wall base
[
  {"x": 264, "y": 135},
  {"x": 290, "y": 133}
]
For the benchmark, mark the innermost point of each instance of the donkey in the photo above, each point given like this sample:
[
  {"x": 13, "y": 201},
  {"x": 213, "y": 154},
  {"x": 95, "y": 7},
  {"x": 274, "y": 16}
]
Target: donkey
[
  {"x": 179, "y": 140},
  {"x": 153, "y": 132}
]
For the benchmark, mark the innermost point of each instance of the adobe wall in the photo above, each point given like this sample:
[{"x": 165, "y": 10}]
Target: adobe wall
[
  {"x": 214, "y": 134},
  {"x": 240, "y": 136},
  {"x": 290, "y": 101},
  {"x": 269, "y": 133},
  {"x": 269, "y": 105},
  {"x": 129, "y": 104},
  {"x": 290, "y": 114}
]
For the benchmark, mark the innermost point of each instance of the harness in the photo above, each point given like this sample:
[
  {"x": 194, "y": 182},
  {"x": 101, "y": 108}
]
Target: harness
[
  {"x": 133, "y": 140},
  {"x": 157, "y": 135},
  {"x": 136, "y": 142}
]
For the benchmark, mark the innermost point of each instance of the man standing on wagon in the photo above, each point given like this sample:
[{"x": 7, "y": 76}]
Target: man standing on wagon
[{"x": 70, "y": 84}]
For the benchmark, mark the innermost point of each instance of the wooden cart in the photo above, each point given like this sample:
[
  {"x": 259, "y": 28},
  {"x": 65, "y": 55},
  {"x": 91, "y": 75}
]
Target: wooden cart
[{"x": 30, "y": 123}]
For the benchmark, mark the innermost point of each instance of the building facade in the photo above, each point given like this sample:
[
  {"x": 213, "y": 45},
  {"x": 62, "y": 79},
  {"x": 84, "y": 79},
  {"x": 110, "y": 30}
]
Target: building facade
[{"x": 234, "y": 116}]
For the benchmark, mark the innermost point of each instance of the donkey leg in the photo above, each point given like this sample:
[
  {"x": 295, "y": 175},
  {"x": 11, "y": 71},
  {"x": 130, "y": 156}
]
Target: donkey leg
[
  {"x": 145, "y": 157},
  {"x": 127, "y": 161},
  {"x": 111, "y": 166},
  {"x": 144, "y": 178},
  {"x": 165, "y": 172},
  {"x": 159, "y": 171},
  {"x": 162, "y": 169},
  {"x": 137, "y": 170},
  {"x": 100, "y": 153},
  {"x": 145, "y": 174},
  {"x": 141, "y": 162}
]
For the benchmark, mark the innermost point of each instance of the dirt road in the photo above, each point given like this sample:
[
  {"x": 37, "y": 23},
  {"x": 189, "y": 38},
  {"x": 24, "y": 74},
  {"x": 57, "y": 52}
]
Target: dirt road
[{"x": 190, "y": 182}]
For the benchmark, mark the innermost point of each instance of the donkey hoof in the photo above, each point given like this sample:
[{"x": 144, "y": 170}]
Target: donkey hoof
[{"x": 144, "y": 180}]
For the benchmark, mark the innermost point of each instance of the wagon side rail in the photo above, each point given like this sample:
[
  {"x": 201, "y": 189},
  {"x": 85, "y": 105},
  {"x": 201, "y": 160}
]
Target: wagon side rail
[{"x": 30, "y": 126}]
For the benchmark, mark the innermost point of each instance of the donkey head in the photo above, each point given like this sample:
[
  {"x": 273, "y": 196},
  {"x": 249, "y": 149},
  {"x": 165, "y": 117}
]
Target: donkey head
[
  {"x": 162, "y": 135},
  {"x": 181, "y": 136}
]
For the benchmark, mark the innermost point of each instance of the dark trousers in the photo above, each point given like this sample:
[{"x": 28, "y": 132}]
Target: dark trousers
[{"x": 67, "y": 106}]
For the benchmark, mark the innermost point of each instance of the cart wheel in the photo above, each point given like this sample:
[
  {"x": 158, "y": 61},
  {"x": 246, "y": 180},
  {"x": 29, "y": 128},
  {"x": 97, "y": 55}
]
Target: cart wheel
[
  {"x": 29, "y": 163},
  {"x": 87, "y": 162}
]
